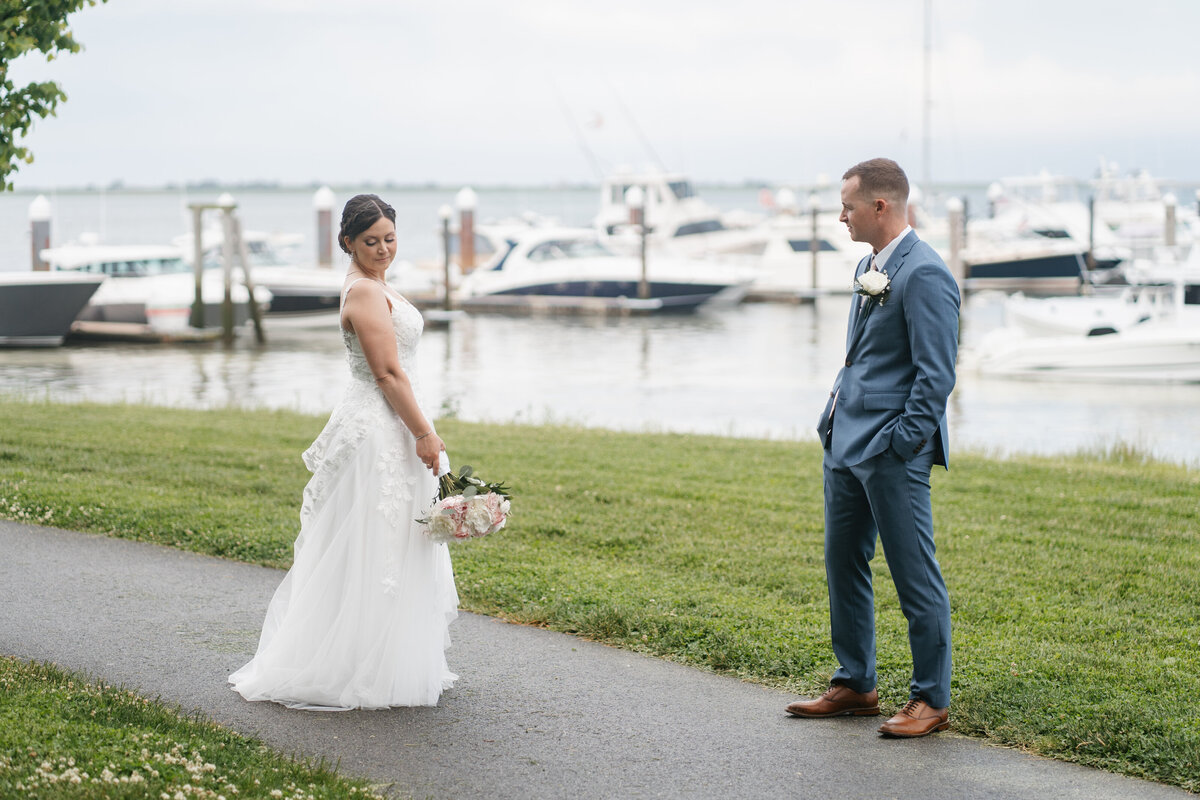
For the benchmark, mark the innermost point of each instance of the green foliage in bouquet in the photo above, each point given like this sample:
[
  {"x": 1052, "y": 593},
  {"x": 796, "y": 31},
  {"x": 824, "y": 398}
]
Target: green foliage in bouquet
[{"x": 466, "y": 484}]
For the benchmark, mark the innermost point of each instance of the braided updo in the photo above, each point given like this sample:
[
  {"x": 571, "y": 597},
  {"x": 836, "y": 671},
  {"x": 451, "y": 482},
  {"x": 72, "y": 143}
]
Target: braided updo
[{"x": 361, "y": 212}]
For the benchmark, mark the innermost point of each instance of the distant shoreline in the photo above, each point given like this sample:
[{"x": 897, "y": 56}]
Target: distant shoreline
[{"x": 344, "y": 188}]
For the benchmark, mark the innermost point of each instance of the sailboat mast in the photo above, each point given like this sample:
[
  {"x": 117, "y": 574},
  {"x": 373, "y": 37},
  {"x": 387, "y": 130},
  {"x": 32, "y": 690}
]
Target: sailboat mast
[{"x": 927, "y": 106}]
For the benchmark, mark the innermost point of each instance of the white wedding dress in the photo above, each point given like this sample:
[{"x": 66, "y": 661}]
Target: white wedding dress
[{"x": 361, "y": 619}]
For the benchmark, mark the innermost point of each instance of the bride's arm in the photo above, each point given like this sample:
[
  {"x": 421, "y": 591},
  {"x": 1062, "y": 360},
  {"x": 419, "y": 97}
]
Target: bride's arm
[{"x": 370, "y": 318}]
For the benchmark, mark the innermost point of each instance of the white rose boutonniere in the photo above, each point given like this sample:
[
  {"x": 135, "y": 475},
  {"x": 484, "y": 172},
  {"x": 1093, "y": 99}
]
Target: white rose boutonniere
[{"x": 874, "y": 284}]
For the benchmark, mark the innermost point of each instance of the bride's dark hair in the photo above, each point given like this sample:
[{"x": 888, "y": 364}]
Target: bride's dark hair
[{"x": 361, "y": 212}]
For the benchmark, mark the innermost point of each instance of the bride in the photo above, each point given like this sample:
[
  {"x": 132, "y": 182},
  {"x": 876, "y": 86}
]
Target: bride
[{"x": 360, "y": 620}]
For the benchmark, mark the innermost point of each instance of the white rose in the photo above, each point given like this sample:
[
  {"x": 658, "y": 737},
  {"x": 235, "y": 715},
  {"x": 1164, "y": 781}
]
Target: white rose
[
  {"x": 441, "y": 527},
  {"x": 873, "y": 282},
  {"x": 479, "y": 516}
]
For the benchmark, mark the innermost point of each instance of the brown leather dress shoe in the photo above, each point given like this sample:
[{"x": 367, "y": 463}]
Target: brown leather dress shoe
[
  {"x": 838, "y": 701},
  {"x": 917, "y": 718}
]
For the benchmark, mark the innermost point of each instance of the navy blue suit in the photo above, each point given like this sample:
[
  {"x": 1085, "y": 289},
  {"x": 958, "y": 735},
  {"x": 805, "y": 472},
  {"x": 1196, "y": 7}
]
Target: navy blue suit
[{"x": 884, "y": 428}]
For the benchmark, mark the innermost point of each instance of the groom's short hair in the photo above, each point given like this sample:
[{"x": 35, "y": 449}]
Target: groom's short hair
[{"x": 881, "y": 177}]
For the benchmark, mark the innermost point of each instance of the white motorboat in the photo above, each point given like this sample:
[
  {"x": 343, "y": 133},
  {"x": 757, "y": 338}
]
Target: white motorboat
[
  {"x": 1085, "y": 315},
  {"x": 573, "y": 263},
  {"x": 1156, "y": 342},
  {"x": 1132, "y": 208},
  {"x": 1157, "y": 352},
  {"x": 37, "y": 308},
  {"x": 683, "y": 225},
  {"x": 300, "y": 295},
  {"x": 148, "y": 285},
  {"x": 297, "y": 293},
  {"x": 1039, "y": 229},
  {"x": 1168, "y": 268}
]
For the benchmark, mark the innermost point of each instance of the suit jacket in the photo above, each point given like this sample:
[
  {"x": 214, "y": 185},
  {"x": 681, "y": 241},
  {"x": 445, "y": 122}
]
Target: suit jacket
[{"x": 899, "y": 370}]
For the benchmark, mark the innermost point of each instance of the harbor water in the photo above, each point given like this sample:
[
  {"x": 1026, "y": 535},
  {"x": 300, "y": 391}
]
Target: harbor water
[{"x": 755, "y": 370}]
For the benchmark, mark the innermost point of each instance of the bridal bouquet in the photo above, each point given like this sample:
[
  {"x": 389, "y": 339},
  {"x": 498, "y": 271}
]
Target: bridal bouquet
[{"x": 466, "y": 507}]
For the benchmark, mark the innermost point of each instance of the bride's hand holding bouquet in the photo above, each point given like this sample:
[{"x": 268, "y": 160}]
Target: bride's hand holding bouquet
[{"x": 466, "y": 507}]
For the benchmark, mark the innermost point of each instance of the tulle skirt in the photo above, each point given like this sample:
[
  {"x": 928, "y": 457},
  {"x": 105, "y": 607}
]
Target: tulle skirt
[{"x": 361, "y": 619}]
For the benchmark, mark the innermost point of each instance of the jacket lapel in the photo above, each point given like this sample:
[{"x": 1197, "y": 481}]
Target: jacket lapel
[
  {"x": 896, "y": 262},
  {"x": 894, "y": 265},
  {"x": 857, "y": 308}
]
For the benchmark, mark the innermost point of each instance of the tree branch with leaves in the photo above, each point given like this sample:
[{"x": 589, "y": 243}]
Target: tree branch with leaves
[{"x": 30, "y": 26}]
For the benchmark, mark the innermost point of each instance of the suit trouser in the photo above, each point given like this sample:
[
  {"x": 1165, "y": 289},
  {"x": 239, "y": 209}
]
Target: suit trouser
[{"x": 888, "y": 497}]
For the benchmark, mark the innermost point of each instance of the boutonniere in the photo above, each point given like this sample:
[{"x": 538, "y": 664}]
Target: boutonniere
[{"x": 874, "y": 284}]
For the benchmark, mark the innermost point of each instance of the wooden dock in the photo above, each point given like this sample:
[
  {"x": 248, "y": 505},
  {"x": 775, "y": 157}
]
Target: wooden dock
[{"x": 95, "y": 331}]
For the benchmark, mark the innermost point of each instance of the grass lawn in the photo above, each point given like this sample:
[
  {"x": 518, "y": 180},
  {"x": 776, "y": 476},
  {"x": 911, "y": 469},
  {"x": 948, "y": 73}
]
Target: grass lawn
[
  {"x": 1073, "y": 581},
  {"x": 63, "y": 736}
]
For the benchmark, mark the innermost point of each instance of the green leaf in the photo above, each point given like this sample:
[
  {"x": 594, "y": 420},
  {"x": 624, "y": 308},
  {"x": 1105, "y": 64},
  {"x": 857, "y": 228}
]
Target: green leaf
[{"x": 30, "y": 27}]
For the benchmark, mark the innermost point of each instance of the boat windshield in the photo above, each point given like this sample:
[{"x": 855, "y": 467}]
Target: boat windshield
[
  {"x": 703, "y": 226},
  {"x": 135, "y": 268},
  {"x": 259, "y": 253},
  {"x": 568, "y": 248},
  {"x": 682, "y": 189}
]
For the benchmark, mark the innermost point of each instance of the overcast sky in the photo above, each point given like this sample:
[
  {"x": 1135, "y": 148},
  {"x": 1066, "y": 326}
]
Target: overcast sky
[{"x": 545, "y": 91}]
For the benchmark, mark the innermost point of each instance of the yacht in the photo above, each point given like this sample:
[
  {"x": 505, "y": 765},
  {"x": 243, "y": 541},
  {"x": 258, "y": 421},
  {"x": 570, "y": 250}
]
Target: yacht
[
  {"x": 1138, "y": 335},
  {"x": 573, "y": 264},
  {"x": 37, "y": 308},
  {"x": 148, "y": 285},
  {"x": 300, "y": 295},
  {"x": 780, "y": 247}
]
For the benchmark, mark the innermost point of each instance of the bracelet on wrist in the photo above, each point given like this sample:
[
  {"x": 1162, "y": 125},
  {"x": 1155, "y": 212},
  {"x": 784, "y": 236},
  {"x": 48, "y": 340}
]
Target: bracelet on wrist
[{"x": 426, "y": 433}]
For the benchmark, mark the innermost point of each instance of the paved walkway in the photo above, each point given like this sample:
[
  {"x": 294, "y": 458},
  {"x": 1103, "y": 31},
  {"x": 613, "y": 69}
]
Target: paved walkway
[{"x": 534, "y": 715}]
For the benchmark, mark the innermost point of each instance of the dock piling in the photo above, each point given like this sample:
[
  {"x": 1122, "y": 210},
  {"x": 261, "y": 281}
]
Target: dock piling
[
  {"x": 445, "y": 212},
  {"x": 233, "y": 227},
  {"x": 39, "y": 232},
  {"x": 323, "y": 202},
  {"x": 196, "y": 320},
  {"x": 465, "y": 200},
  {"x": 954, "y": 210}
]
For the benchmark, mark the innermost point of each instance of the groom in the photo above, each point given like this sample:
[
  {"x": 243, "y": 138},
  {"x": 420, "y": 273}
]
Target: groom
[{"x": 884, "y": 428}]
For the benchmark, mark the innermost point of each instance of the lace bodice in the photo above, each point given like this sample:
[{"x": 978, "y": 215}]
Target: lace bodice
[
  {"x": 364, "y": 410},
  {"x": 408, "y": 324}
]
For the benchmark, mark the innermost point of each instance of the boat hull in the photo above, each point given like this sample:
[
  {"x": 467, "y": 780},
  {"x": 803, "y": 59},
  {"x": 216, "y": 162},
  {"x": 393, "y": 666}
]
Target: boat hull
[
  {"x": 37, "y": 310},
  {"x": 669, "y": 296},
  {"x": 1159, "y": 353}
]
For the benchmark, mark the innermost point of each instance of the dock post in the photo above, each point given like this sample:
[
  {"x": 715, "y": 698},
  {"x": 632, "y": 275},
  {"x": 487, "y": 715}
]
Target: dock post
[
  {"x": 444, "y": 213},
  {"x": 227, "y": 205},
  {"x": 465, "y": 200},
  {"x": 954, "y": 211},
  {"x": 234, "y": 226},
  {"x": 1091, "y": 251},
  {"x": 994, "y": 192},
  {"x": 197, "y": 317},
  {"x": 635, "y": 201},
  {"x": 39, "y": 232},
  {"x": 323, "y": 203},
  {"x": 1169, "y": 203},
  {"x": 814, "y": 247}
]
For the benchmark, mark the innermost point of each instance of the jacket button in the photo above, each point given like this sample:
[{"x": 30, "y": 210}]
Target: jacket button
[{"x": 847, "y": 362}]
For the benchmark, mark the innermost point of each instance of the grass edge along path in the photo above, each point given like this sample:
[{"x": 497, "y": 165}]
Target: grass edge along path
[
  {"x": 1076, "y": 608},
  {"x": 63, "y": 735}
]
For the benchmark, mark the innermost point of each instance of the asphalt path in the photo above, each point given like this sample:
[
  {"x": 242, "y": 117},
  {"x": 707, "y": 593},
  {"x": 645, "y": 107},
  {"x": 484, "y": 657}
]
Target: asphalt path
[{"x": 535, "y": 714}]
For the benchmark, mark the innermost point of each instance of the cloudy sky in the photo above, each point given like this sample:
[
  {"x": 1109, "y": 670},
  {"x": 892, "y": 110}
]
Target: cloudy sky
[{"x": 545, "y": 91}]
